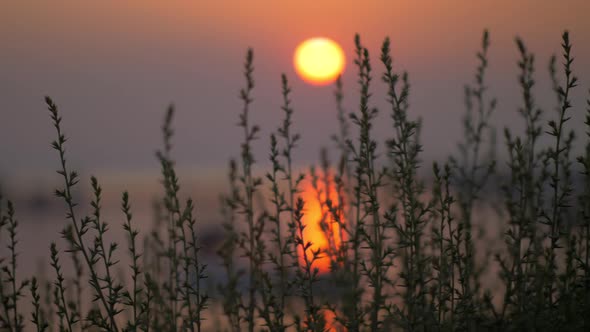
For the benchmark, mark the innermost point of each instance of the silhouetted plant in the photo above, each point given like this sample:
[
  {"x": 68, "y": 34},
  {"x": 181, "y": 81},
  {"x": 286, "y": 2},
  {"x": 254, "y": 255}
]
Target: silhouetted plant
[
  {"x": 232, "y": 298},
  {"x": 11, "y": 290},
  {"x": 307, "y": 275},
  {"x": 66, "y": 318},
  {"x": 404, "y": 150},
  {"x": 132, "y": 298},
  {"x": 36, "y": 315},
  {"x": 186, "y": 300},
  {"x": 75, "y": 235},
  {"x": 583, "y": 259},
  {"x": 370, "y": 179},
  {"x": 445, "y": 250},
  {"x": 473, "y": 168}
]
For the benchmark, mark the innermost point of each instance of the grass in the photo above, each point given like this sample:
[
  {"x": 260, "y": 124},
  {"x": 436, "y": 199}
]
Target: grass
[{"x": 408, "y": 253}]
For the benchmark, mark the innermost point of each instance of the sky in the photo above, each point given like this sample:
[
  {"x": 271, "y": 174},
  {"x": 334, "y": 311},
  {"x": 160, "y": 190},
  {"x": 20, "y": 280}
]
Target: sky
[{"x": 113, "y": 67}]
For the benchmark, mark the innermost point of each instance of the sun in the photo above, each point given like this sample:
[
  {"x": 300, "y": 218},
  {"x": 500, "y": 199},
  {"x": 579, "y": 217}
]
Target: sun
[
  {"x": 319, "y": 61},
  {"x": 321, "y": 229}
]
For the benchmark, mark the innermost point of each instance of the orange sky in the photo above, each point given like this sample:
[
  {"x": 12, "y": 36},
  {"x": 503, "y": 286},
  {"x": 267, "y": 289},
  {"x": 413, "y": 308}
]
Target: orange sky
[
  {"x": 264, "y": 23},
  {"x": 113, "y": 65}
]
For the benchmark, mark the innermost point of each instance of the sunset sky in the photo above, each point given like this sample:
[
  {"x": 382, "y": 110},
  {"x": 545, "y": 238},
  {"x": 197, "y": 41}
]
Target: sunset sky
[{"x": 114, "y": 66}]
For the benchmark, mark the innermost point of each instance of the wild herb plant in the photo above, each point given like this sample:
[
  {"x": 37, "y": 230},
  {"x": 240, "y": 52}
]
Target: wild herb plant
[
  {"x": 242, "y": 200},
  {"x": 370, "y": 180},
  {"x": 323, "y": 185},
  {"x": 561, "y": 222},
  {"x": 445, "y": 250},
  {"x": 249, "y": 182},
  {"x": 47, "y": 309},
  {"x": 560, "y": 176},
  {"x": 278, "y": 260},
  {"x": 282, "y": 201},
  {"x": 67, "y": 319},
  {"x": 345, "y": 211},
  {"x": 583, "y": 260},
  {"x": 11, "y": 288},
  {"x": 290, "y": 141},
  {"x": 232, "y": 298},
  {"x": 404, "y": 149},
  {"x": 184, "y": 300},
  {"x": 77, "y": 280},
  {"x": 307, "y": 275},
  {"x": 338, "y": 207},
  {"x": 104, "y": 317},
  {"x": 37, "y": 316},
  {"x": 287, "y": 200},
  {"x": 132, "y": 297},
  {"x": 172, "y": 216},
  {"x": 362, "y": 158},
  {"x": 473, "y": 168},
  {"x": 523, "y": 195}
]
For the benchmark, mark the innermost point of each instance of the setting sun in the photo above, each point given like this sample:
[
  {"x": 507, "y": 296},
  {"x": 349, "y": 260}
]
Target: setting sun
[
  {"x": 320, "y": 227},
  {"x": 319, "y": 61}
]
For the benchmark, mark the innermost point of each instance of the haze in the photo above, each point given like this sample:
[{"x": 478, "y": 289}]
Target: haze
[{"x": 113, "y": 67}]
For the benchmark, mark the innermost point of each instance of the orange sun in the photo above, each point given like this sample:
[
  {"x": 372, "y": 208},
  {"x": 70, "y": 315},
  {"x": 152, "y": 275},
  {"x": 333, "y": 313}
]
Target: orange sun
[
  {"x": 321, "y": 229},
  {"x": 319, "y": 61}
]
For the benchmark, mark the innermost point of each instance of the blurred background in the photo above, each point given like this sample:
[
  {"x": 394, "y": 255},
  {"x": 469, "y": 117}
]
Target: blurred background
[{"x": 114, "y": 66}]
